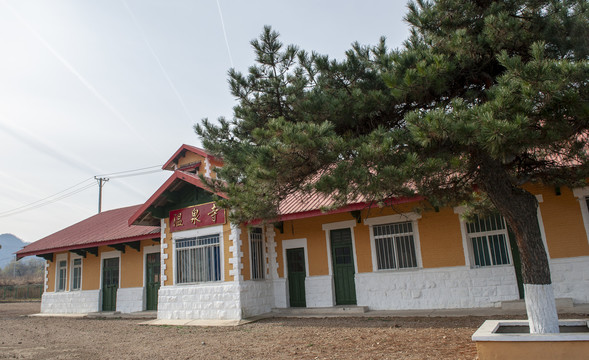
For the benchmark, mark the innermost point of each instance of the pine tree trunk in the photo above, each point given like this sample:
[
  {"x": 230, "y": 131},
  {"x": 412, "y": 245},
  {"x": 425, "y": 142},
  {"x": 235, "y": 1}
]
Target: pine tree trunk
[{"x": 519, "y": 208}]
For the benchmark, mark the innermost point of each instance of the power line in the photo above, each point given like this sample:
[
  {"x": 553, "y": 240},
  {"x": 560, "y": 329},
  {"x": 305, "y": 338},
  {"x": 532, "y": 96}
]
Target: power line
[
  {"x": 45, "y": 198},
  {"x": 37, "y": 204},
  {"x": 75, "y": 189},
  {"x": 136, "y": 174},
  {"x": 128, "y": 171}
]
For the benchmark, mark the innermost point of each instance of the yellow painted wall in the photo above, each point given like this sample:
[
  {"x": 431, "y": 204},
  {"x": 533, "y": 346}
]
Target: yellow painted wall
[
  {"x": 439, "y": 232},
  {"x": 131, "y": 268},
  {"x": 441, "y": 239},
  {"x": 563, "y": 222},
  {"x": 310, "y": 229},
  {"x": 215, "y": 164},
  {"x": 532, "y": 350},
  {"x": 91, "y": 272},
  {"x": 132, "y": 265},
  {"x": 189, "y": 158},
  {"x": 363, "y": 252}
]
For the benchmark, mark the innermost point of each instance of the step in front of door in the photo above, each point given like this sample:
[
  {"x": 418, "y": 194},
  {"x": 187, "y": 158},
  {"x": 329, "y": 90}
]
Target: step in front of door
[{"x": 335, "y": 310}]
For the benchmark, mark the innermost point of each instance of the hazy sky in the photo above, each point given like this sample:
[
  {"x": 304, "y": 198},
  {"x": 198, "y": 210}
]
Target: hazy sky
[{"x": 97, "y": 87}]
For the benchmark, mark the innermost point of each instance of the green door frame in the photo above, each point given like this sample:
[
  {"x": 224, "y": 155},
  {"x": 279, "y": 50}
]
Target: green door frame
[
  {"x": 152, "y": 279},
  {"x": 110, "y": 282},
  {"x": 342, "y": 259},
  {"x": 296, "y": 270}
]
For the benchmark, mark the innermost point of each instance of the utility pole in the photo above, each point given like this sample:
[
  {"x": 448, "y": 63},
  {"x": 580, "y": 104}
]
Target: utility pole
[{"x": 101, "y": 182}]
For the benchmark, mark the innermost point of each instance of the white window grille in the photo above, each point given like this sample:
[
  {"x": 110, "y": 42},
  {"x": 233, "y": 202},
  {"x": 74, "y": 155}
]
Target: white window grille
[
  {"x": 395, "y": 246},
  {"x": 257, "y": 253},
  {"x": 198, "y": 259},
  {"x": 61, "y": 275},
  {"x": 489, "y": 241},
  {"x": 76, "y": 274}
]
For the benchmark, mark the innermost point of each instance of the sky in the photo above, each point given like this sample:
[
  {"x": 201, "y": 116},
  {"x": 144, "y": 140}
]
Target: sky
[{"x": 100, "y": 88}]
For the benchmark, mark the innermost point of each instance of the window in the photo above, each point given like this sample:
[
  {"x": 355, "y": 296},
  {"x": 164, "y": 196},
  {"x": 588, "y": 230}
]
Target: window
[
  {"x": 257, "y": 253},
  {"x": 198, "y": 259},
  {"x": 61, "y": 275},
  {"x": 395, "y": 246},
  {"x": 489, "y": 240},
  {"x": 76, "y": 274}
]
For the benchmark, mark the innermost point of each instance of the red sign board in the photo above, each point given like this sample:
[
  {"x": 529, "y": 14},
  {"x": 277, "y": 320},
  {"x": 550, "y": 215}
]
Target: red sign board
[{"x": 196, "y": 216}]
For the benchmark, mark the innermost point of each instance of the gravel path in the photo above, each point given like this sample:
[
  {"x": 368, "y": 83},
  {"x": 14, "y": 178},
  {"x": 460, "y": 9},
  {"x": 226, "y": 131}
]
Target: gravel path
[{"x": 278, "y": 338}]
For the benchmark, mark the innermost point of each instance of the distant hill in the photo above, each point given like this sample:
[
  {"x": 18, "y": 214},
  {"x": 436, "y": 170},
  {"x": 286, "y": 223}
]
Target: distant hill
[{"x": 10, "y": 244}]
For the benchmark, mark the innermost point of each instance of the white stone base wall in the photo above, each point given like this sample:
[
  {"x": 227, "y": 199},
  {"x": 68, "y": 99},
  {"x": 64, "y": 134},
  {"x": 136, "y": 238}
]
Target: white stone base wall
[
  {"x": 70, "y": 302},
  {"x": 280, "y": 293},
  {"x": 257, "y": 297},
  {"x": 440, "y": 288},
  {"x": 202, "y": 301},
  {"x": 319, "y": 291},
  {"x": 130, "y": 299},
  {"x": 570, "y": 278}
]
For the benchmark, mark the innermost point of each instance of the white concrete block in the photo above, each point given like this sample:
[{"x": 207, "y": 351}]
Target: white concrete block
[
  {"x": 570, "y": 278},
  {"x": 319, "y": 291},
  {"x": 130, "y": 299},
  {"x": 70, "y": 302},
  {"x": 441, "y": 288}
]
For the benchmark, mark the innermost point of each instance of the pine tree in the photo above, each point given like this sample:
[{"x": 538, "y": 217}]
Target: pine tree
[{"x": 484, "y": 97}]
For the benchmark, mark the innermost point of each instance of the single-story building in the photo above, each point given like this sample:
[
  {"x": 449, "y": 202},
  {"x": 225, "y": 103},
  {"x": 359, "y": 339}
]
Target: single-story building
[{"x": 180, "y": 245}]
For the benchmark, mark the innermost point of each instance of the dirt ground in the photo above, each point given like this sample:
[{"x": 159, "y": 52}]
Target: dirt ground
[{"x": 24, "y": 337}]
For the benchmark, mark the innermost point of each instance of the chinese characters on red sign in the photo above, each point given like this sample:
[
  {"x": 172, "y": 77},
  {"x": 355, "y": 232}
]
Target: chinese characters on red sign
[{"x": 196, "y": 216}]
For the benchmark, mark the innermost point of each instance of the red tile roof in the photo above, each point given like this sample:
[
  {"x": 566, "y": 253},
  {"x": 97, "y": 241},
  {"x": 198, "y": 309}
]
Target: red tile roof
[
  {"x": 106, "y": 228},
  {"x": 299, "y": 205}
]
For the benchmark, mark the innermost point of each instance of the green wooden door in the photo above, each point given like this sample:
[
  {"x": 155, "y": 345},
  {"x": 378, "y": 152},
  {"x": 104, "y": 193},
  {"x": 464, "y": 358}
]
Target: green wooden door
[
  {"x": 295, "y": 259},
  {"x": 110, "y": 283},
  {"x": 343, "y": 267},
  {"x": 152, "y": 281}
]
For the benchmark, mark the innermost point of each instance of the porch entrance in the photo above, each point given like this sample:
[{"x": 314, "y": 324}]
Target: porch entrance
[
  {"x": 152, "y": 280},
  {"x": 110, "y": 283},
  {"x": 342, "y": 255},
  {"x": 295, "y": 259}
]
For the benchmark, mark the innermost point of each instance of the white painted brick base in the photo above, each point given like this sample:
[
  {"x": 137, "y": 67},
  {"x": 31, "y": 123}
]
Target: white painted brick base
[
  {"x": 130, "y": 299},
  {"x": 318, "y": 291},
  {"x": 280, "y": 293},
  {"x": 229, "y": 300},
  {"x": 70, "y": 302},
  {"x": 570, "y": 278},
  {"x": 440, "y": 288},
  {"x": 256, "y": 297},
  {"x": 202, "y": 301}
]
